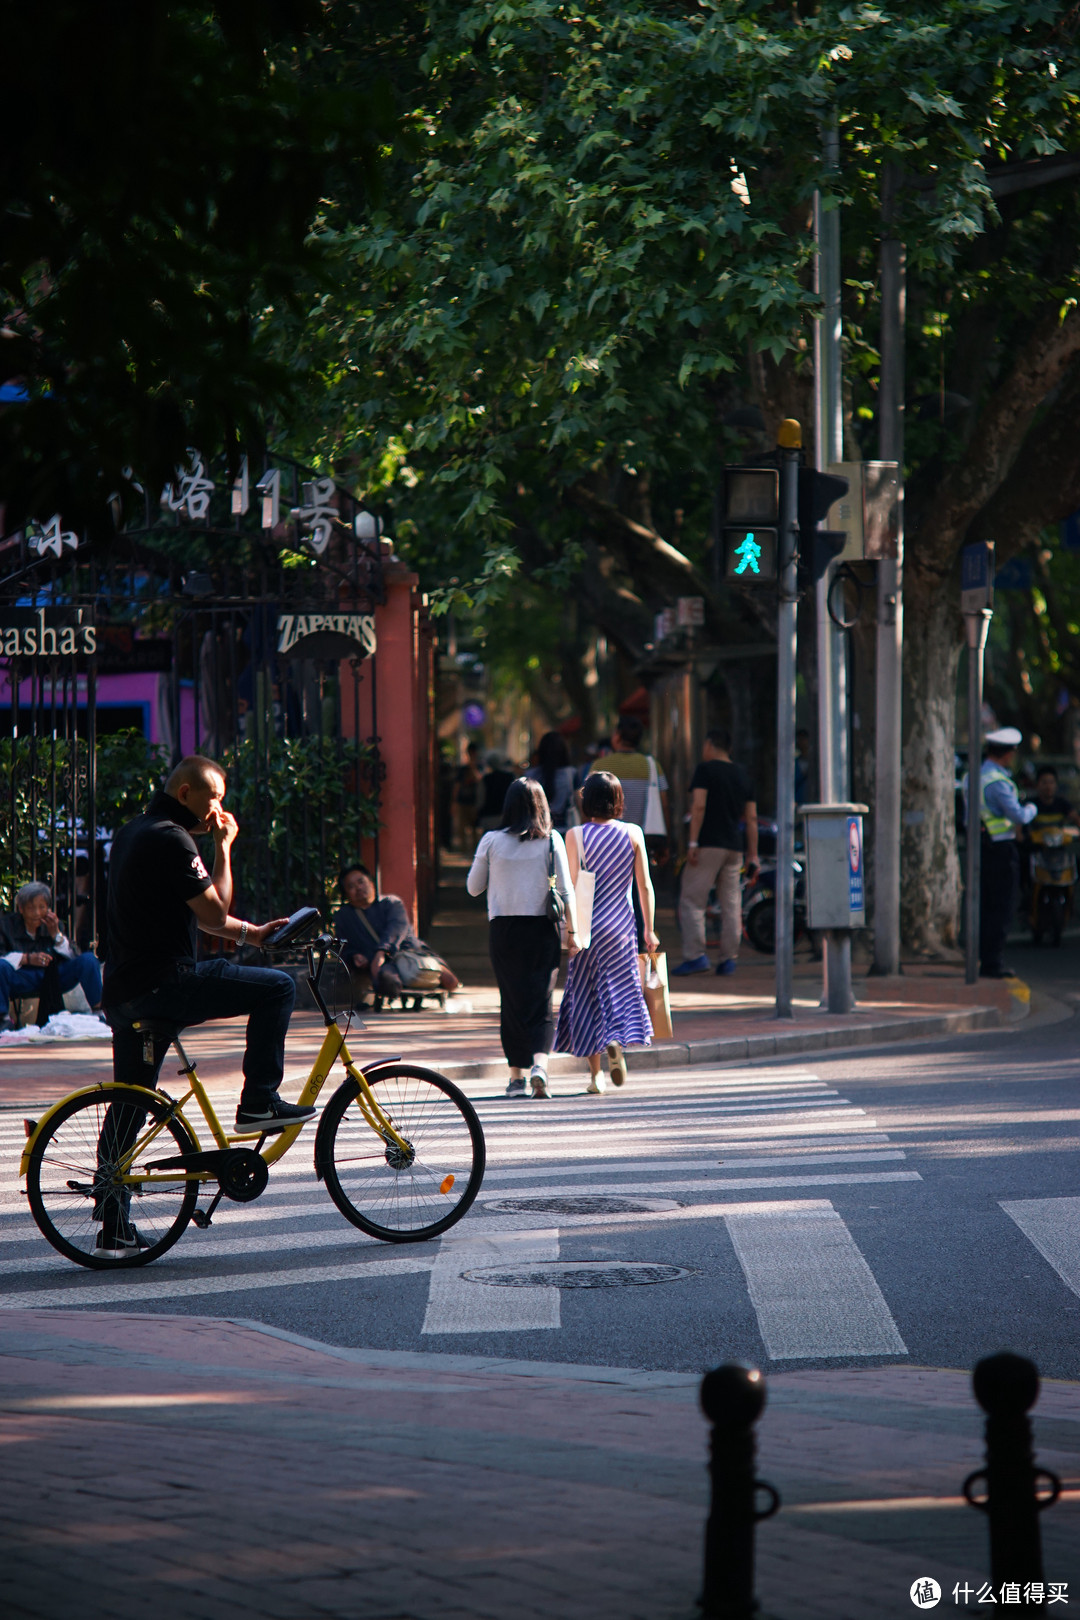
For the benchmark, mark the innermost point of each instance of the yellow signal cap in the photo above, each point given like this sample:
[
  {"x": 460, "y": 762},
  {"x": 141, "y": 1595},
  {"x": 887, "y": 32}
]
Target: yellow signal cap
[{"x": 790, "y": 435}]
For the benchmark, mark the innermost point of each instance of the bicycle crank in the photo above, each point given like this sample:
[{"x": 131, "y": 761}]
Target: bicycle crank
[{"x": 241, "y": 1173}]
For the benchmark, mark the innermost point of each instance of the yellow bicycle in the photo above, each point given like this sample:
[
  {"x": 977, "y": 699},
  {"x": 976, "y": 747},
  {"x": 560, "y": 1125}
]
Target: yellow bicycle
[{"x": 399, "y": 1148}]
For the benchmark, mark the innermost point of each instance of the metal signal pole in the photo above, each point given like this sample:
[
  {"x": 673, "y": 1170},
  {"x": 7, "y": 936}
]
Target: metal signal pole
[{"x": 790, "y": 441}]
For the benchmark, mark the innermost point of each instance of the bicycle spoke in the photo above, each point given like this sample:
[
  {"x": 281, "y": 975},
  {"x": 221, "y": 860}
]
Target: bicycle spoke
[{"x": 409, "y": 1193}]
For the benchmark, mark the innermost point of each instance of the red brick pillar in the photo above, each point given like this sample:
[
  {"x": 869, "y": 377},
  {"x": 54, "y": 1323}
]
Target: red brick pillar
[{"x": 401, "y": 674}]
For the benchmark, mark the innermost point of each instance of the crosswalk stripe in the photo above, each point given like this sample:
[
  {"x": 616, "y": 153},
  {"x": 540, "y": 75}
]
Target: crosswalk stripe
[
  {"x": 813, "y": 1292},
  {"x": 135, "y": 1290},
  {"x": 224, "y": 1247},
  {"x": 716, "y": 1183},
  {"x": 651, "y": 1166},
  {"x": 1053, "y": 1226},
  {"x": 456, "y": 1305}
]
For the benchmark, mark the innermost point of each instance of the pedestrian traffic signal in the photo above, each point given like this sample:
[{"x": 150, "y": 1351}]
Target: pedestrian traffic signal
[
  {"x": 751, "y": 519},
  {"x": 817, "y": 492},
  {"x": 750, "y": 554}
]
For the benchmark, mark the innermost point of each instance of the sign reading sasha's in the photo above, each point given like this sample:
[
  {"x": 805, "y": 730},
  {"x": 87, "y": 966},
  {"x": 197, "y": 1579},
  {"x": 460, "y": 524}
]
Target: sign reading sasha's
[
  {"x": 52, "y": 632},
  {"x": 326, "y": 635}
]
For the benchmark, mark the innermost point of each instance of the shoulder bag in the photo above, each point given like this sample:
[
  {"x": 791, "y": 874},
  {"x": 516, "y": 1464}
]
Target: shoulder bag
[
  {"x": 417, "y": 969},
  {"x": 555, "y": 904},
  {"x": 584, "y": 892},
  {"x": 655, "y": 826}
]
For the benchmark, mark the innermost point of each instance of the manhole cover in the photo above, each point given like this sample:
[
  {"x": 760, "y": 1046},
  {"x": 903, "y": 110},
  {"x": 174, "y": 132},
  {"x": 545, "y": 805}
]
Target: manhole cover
[
  {"x": 577, "y": 1274},
  {"x": 580, "y": 1204}
]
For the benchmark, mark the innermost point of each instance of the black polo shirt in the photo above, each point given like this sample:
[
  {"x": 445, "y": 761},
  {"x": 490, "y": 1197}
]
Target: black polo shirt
[{"x": 154, "y": 870}]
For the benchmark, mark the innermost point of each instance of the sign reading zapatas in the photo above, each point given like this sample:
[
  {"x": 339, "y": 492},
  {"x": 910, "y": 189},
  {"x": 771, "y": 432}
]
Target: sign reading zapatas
[
  {"x": 326, "y": 635},
  {"x": 52, "y": 632}
]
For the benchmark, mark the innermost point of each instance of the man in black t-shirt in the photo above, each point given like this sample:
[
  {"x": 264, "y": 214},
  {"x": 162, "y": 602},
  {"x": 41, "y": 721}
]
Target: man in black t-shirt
[
  {"x": 160, "y": 894},
  {"x": 721, "y": 798}
]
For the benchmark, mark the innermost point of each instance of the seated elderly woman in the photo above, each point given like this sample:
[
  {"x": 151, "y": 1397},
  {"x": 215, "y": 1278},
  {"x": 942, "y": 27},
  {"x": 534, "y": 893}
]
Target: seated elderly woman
[
  {"x": 375, "y": 931},
  {"x": 36, "y": 959}
]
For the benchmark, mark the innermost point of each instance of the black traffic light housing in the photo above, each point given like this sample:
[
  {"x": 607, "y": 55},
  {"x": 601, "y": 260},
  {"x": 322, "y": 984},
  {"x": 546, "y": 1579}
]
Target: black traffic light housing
[
  {"x": 817, "y": 492},
  {"x": 751, "y": 524}
]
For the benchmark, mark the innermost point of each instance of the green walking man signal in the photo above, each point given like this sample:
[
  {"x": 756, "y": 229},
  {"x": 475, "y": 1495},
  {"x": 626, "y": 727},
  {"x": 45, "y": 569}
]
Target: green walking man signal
[
  {"x": 748, "y": 554},
  {"x": 751, "y": 518}
]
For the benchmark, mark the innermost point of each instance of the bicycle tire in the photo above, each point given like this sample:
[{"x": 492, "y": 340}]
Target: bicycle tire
[
  {"x": 71, "y": 1216},
  {"x": 412, "y": 1098}
]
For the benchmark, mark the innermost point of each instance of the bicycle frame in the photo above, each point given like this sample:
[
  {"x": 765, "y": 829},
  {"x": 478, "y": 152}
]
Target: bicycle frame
[{"x": 333, "y": 1048}]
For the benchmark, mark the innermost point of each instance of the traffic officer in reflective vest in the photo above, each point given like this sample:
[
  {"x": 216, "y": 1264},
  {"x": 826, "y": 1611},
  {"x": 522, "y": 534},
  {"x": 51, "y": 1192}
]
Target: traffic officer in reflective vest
[{"x": 1001, "y": 813}]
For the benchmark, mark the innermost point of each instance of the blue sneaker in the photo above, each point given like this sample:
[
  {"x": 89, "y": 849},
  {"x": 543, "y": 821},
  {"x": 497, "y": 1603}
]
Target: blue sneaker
[
  {"x": 726, "y": 967},
  {"x": 700, "y": 964}
]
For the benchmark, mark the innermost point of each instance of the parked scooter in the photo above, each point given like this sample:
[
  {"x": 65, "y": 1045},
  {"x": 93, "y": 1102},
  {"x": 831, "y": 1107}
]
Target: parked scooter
[
  {"x": 759, "y": 908},
  {"x": 1053, "y": 879}
]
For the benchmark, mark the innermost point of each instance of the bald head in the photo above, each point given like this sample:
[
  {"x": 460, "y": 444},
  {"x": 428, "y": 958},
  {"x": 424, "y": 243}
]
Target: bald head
[{"x": 196, "y": 771}]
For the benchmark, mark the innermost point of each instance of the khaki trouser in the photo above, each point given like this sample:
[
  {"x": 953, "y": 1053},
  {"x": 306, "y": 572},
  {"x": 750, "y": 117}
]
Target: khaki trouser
[{"x": 722, "y": 867}]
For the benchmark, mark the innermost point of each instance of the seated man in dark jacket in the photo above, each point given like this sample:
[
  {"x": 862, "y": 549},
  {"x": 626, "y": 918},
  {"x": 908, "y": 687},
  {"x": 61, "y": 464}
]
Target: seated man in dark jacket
[
  {"x": 36, "y": 959},
  {"x": 374, "y": 931}
]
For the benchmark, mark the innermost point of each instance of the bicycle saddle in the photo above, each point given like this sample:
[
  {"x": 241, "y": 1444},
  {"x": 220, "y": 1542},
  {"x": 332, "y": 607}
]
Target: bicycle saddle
[{"x": 159, "y": 1029}]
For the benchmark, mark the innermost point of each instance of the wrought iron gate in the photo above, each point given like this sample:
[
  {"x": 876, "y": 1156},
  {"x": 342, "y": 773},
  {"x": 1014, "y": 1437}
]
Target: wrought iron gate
[{"x": 184, "y": 634}]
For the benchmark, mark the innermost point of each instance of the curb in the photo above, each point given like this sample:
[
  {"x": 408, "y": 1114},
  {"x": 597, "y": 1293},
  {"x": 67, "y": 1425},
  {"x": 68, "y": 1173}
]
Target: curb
[{"x": 776, "y": 1043}]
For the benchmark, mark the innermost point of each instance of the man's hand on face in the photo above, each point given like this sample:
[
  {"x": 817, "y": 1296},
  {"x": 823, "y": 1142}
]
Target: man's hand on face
[
  {"x": 224, "y": 828},
  {"x": 52, "y": 924}
]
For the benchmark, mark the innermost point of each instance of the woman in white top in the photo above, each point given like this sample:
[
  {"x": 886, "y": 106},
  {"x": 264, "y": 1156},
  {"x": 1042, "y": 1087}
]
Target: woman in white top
[{"x": 515, "y": 864}]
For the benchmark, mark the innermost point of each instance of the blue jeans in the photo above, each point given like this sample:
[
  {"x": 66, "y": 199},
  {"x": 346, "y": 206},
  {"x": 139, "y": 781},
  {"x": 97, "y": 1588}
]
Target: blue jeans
[
  {"x": 22, "y": 982},
  {"x": 214, "y": 989}
]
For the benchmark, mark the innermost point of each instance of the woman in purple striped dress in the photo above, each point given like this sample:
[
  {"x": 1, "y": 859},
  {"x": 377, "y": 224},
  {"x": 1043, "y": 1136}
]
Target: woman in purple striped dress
[{"x": 602, "y": 1006}]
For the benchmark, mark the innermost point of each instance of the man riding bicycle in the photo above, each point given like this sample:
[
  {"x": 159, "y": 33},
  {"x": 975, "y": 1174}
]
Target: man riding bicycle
[{"x": 160, "y": 894}]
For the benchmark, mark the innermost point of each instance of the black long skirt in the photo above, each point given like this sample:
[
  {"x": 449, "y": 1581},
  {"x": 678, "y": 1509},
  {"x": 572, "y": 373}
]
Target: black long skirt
[{"x": 525, "y": 956}]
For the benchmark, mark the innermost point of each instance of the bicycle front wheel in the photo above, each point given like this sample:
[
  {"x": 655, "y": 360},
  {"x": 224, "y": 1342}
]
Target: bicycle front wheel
[
  {"x": 81, "y": 1194},
  {"x": 403, "y": 1196}
]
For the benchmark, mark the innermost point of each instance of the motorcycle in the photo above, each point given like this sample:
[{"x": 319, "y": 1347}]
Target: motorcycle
[
  {"x": 759, "y": 908},
  {"x": 1053, "y": 878}
]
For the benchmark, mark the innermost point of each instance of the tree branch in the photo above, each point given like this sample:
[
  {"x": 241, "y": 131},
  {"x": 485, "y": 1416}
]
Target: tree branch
[{"x": 1003, "y": 425}]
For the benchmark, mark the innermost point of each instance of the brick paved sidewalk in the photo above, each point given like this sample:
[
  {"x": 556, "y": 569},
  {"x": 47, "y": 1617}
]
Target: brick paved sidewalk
[
  {"x": 711, "y": 1025},
  {"x": 195, "y": 1469}
]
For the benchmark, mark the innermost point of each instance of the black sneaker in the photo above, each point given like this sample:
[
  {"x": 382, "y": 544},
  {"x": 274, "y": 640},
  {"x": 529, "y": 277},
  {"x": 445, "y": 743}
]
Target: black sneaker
[
  {"x": 120, "y": 1242},
  {"x": 275, "y": 1115}
]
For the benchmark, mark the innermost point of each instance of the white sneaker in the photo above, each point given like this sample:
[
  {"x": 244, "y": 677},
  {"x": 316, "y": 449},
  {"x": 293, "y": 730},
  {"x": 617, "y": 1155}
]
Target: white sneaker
[
  {"x": 516, "y": 1088},
  {"x": 539, "y": 1082},
  {"x": 597, "y": 1085},
  {"x": 616, "y": 1063}
]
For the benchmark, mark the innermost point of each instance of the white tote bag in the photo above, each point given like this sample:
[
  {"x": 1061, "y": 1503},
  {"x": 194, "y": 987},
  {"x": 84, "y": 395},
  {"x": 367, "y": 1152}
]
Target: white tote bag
[
  {"x": 584, "y": 890},
  {"x": 655, "y": 826}
]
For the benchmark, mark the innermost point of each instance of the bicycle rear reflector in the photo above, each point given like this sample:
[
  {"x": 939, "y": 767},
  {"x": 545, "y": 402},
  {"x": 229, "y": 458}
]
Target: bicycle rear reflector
[{"x": 446, "y": 1183}]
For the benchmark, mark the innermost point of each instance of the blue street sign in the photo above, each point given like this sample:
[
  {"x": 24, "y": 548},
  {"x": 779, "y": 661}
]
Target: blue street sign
[{"x": 856, "y": 895}]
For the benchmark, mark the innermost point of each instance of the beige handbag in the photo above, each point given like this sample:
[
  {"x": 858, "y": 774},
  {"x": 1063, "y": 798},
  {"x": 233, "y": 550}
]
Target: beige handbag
[
  {"x": 655, "y": 990},
  {"x": 584, "y": 891}
]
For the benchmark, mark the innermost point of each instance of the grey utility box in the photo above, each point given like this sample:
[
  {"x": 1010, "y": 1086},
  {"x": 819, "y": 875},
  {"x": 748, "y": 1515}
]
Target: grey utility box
[{"x": 836, "y": 892}]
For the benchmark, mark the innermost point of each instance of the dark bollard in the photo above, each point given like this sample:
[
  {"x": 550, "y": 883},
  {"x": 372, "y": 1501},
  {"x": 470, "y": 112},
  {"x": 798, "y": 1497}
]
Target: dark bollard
[
  {"x": 732, "y": 1399},
  {"x": 1007, "y": 1387}
]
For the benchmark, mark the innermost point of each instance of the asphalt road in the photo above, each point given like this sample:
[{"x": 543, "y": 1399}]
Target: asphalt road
[{"x": 914, "y": 1205}]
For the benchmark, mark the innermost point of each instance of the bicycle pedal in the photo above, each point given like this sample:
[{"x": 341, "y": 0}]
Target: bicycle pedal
[{"x": 201, "y": 1218}]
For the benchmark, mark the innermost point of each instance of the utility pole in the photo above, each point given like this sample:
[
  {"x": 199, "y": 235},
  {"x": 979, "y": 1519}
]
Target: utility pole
[
  {"x": 789, "y": 440},
  {"x": 890, "y": 597},
  {"x": 976, "y": 601},
  {"x": 831, "y": 648}
]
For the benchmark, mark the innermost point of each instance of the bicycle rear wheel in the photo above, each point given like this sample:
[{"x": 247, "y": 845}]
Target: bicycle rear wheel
[
  {"x": 74, "y": 1185},
  {"x": 403, "y": 1197}
]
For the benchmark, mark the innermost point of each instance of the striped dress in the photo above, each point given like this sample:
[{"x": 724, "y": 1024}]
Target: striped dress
[{"x": 602, "y": 1001}]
